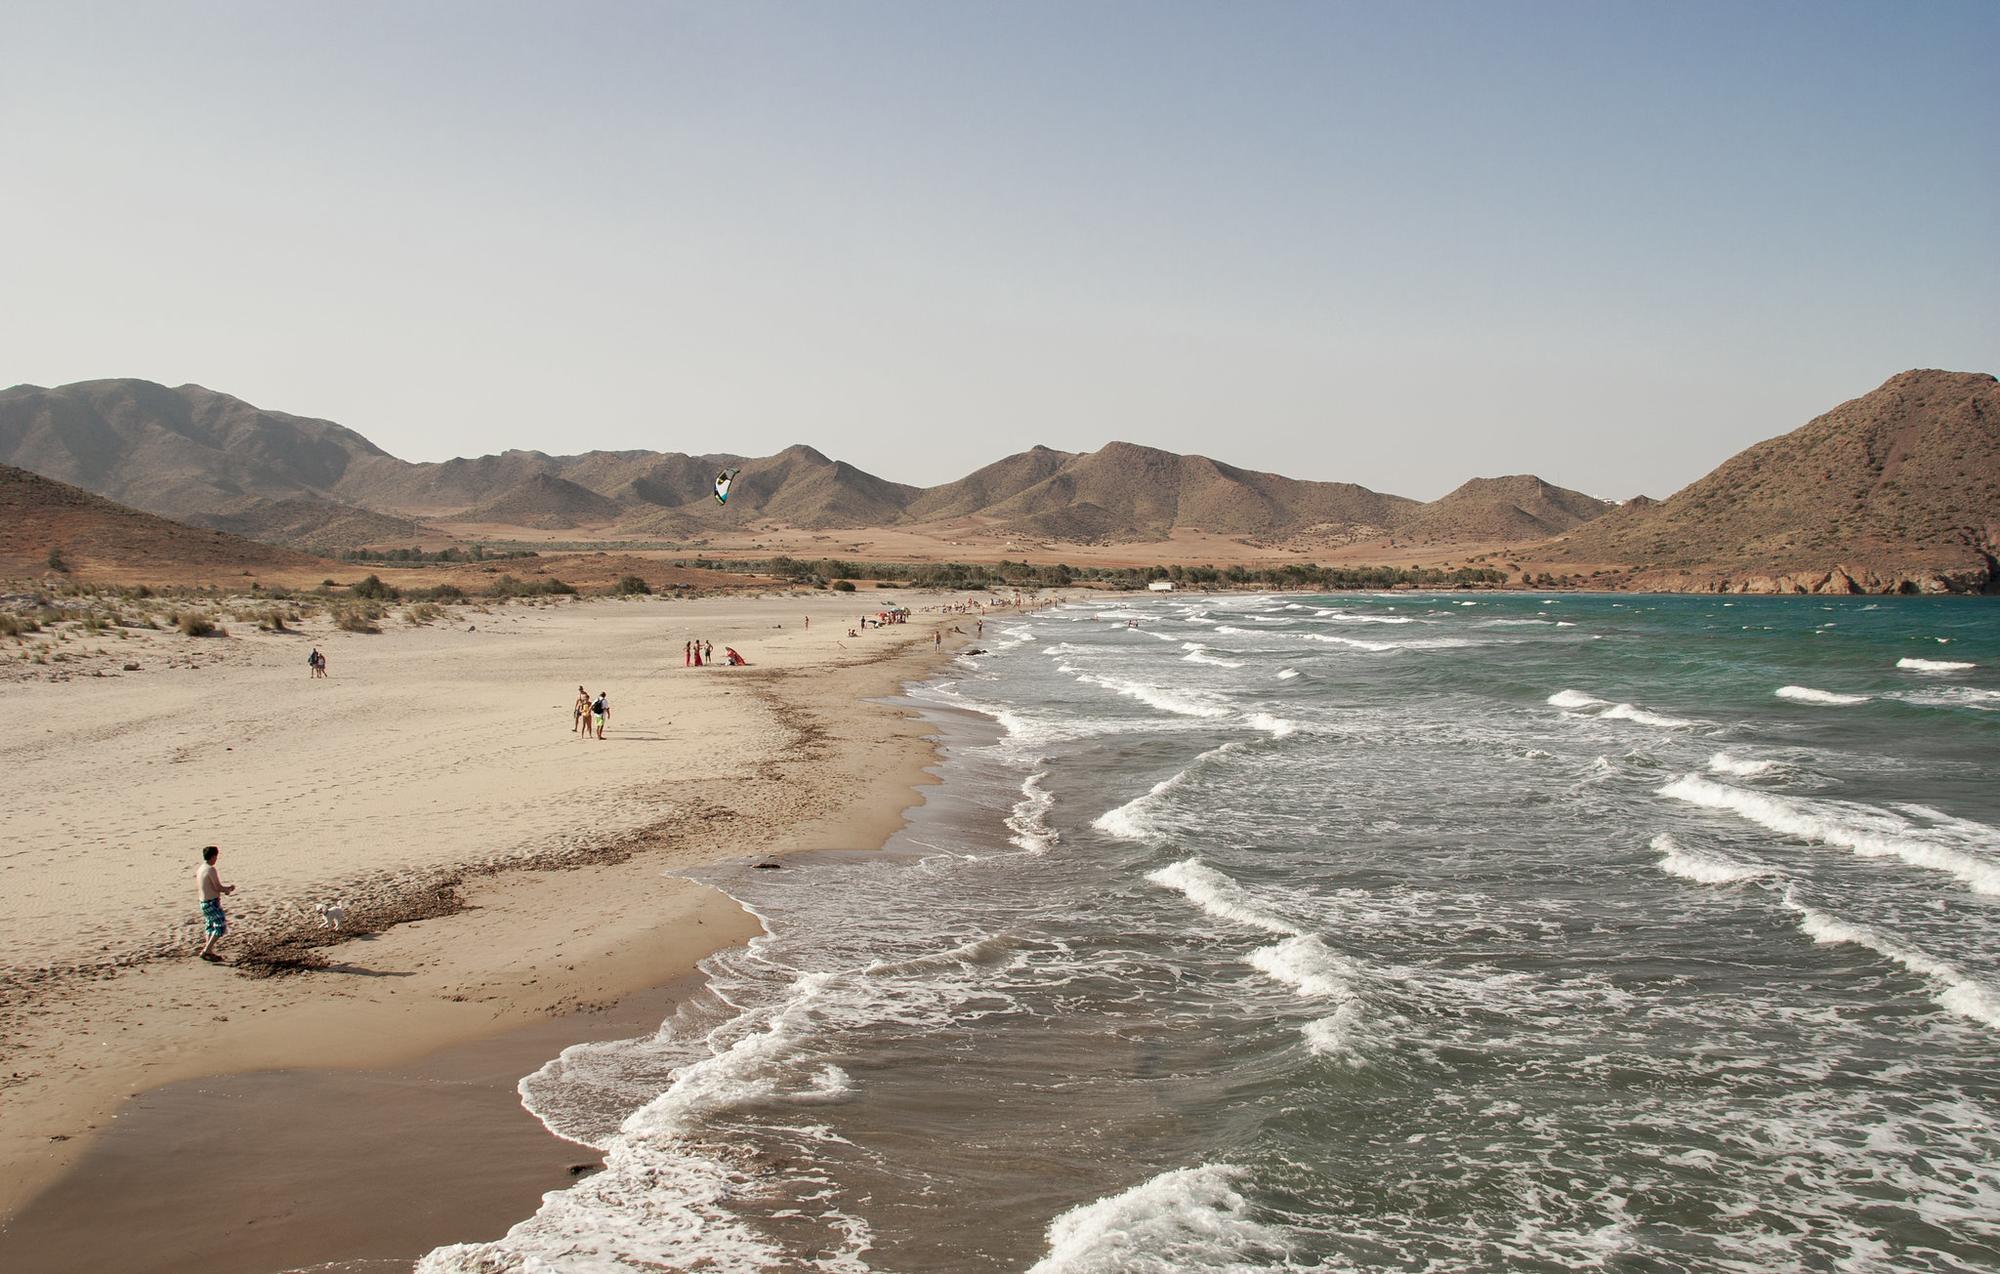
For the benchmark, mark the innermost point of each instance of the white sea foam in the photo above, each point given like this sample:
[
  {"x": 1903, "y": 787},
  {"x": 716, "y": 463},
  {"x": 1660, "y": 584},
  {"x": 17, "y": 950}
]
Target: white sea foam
[
  {"x": 1806, "y": 694},
  {"x": 1355, "y": 617},
  {"x": 1578, "y": 701},
  {"x": 1934, "y": 665},
  {"x": 1276, "y": 727},
  {"x": 1198, "y": 654},
  {"x": 1353, "y": 643},
  {"x": 1187, "y": 1219},
  {"x": 1132, "y": 820},
  {"x": 1028, "y": 821},
  {"x": 1181, "y": 703},
  {"x": 985, "y": 949},
  {"x": 1961, "y": 994},
  {"x": 1286, "y": 674},
  {"x": 1638, "y": 715},
  {"x": 1236, "y": 632},
  {"x": 660, "y": 1201},
  {"x": 1704, "y": 866},
  {"x": 1218, "y": 895},
  {"x": 1951, "y": 697},
  {"x": 1340, "y": 1034},
  {"x": 1723, "y": 763},
  {"x": 1956, "y": 846},
  {"x": 1308, "y": 966}
]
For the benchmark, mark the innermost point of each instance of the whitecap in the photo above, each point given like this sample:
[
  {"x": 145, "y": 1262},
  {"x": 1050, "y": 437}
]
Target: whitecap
[
  {"x": 1724, "y": 763},
  {"x": 1806, "y": 694},
  {"x": 1181, "y": 703},
  {"x": 1187, "y": 1219},
  {"x": 1703, "y": 866},
  {"x": 1957, "y": 847},
  {"x": 1961, "y": 994},
  {"x": 1218, "y": 895},
  {"x": 1575, "y": 699},
  {"x": 1934, "y": 665}
]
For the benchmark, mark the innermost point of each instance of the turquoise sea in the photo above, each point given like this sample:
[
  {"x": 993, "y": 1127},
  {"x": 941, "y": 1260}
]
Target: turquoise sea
[{"x": 1454, "y": 932}]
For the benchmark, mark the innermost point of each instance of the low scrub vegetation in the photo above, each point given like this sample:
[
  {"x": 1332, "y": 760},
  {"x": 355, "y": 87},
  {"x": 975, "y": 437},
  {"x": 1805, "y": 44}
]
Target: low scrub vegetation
[
  {"x": 362, "y": 617},
  {"x": 508, "y": 586}
]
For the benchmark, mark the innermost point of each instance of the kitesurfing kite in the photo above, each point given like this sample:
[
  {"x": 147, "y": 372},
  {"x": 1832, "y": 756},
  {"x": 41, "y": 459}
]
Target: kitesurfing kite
[{"x": 722, "y": 484}]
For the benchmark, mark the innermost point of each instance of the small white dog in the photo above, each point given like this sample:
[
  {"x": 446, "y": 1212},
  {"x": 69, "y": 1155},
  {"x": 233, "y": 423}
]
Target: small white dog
[{"x": 331, "y": 914}]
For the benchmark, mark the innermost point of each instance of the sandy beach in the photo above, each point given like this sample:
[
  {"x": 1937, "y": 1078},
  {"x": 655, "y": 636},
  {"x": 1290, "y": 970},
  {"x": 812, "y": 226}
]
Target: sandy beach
[{"x": 498, "y": 874}]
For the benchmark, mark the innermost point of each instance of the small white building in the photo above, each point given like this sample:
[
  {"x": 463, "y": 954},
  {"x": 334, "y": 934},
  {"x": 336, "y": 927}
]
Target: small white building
[{"x": 1161, "y": 586}]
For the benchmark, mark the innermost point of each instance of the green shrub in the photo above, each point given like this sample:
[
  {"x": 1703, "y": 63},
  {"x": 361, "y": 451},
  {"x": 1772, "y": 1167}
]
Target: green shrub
[
  {"x": 843, "y": 586},
  {"x": 17, "y": 625},
  {"x": 56, "y": 562},
  {"x": 437, "y": 593},
  {"x": 195, "y": 624},
  {"x": 508, "y": 586},
  {"x": 630, "y": 584},
  {"x": 375, "y": 590},
  {"x": 272, "y": 621}
]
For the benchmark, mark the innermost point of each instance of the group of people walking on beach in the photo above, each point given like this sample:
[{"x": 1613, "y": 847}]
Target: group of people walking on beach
[{"x": 590, "y": 714}]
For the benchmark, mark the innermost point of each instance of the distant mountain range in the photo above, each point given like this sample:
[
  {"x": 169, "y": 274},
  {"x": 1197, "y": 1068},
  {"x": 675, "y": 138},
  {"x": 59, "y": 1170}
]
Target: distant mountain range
[
  {"x": 1896, "y": 490},
  {"x": 203, "y": 457}
]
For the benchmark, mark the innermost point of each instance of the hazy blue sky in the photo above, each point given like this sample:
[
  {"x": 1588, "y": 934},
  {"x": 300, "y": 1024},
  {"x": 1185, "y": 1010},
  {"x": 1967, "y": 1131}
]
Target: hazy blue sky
[{"x": 1397, "y": 244}]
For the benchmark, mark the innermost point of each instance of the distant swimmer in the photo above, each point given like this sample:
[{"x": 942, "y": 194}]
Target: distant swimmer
[{"x": 208, "y": 883}]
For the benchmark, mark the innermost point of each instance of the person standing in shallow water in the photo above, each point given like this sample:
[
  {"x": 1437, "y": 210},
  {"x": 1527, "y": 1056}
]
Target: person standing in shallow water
[{"x": 208, "y": 883}]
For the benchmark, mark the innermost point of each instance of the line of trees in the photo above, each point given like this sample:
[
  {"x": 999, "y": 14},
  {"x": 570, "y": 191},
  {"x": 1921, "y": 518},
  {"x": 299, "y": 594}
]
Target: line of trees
[
  {"x": 1006, "y": 574},
  {"x": 471, "y": 553}
]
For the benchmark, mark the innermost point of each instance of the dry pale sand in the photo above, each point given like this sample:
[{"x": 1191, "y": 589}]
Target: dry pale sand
[{"x": 499, "y": 870}]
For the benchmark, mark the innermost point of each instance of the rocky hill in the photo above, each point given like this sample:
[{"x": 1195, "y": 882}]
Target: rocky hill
[
  {"x": 985, "y": 487},
  {"x": 1898, "y": 490},
  {"x": 95, "y": 537},
  {"x": 547, "y": 503},
  {"x": 1137, "y": 492},
  {"x": 175, "y": 452},
  {"x": 1514, "y": 508},
  {"x": 316, "y": 526}
]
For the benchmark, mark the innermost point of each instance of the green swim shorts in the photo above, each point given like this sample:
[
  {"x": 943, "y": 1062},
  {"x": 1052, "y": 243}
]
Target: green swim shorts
[{"x": 211, "y": 913}]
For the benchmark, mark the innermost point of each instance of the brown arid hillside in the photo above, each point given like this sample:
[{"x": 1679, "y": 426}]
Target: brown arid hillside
[
  {"x": 1898, "y": 490},
  {"x": 547, "y": 503},
  {"x": 990, "y": 485},
  {"x": 1143, "y": 493},
  {"x": 315, "y": 526},
  {"x": 175, "y": 452},
  {"x": 96, "y": 539},
  {"x": 1487, "y": 510}
]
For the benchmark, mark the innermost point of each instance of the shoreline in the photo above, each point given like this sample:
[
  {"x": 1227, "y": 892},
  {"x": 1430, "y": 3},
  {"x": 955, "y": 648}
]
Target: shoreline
[{"x": 506, "y": 956}]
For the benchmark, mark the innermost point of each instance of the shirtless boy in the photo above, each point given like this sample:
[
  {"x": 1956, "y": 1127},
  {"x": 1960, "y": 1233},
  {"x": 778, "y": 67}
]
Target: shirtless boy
[{"x": 208, "y": 883}]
